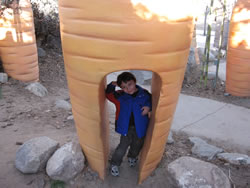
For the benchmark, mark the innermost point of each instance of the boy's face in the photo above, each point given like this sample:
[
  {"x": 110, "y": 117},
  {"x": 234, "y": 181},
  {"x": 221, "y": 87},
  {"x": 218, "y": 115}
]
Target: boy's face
[{"x": 129, "y": 87}]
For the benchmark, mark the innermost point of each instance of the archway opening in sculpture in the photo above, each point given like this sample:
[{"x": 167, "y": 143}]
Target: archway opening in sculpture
[{"x": 152, "y": 83}]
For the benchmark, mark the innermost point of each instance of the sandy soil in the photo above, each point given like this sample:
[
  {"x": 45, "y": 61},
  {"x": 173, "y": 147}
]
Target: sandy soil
[{"x": 24, "y": 116}]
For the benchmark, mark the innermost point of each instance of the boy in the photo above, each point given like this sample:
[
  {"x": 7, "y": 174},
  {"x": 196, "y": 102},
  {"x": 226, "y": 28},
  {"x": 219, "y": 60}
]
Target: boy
[{"x": 133, "y": 106}]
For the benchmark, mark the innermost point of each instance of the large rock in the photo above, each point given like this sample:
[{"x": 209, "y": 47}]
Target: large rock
[
  {"x": 33, "y": 155},
  {"x": 63, "y": 104},
  {"x": 188, "y": 172},
  {"x": 202, "y": 149},
  {"x": 66, "y": 162},
  {"x": 235, "y": 158},
  {"x": 37, "y": 89}
]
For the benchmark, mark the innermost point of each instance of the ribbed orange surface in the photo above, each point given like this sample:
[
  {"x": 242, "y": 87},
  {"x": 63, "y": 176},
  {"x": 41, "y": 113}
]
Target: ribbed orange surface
[
  {"x": 18, "y": 49},
  {"x": 238, "y": 56},
  {"x": 104, "y": 36}
]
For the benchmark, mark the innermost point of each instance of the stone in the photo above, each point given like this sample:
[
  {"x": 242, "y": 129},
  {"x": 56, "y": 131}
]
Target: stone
[
  {"x": 3, "y": 78},
  {"x": 33, "y": 155},
  {"x": 37, "y": 89},
  {"x": 234, "y": 158},
  {"x": 202, "y": 149},
  {"x": 188, "y": 172},
  {"x": 41, "y": 52},
  {"x": 170, "y": 138},
  {"x": 66, "y": 163},
  {"x": 63, "y": 104},
  {"x": 70, "y": 117}
]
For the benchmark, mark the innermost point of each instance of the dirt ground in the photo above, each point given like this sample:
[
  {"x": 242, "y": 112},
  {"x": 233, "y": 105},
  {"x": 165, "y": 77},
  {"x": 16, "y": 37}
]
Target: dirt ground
[{"x": 24, "y": 116}]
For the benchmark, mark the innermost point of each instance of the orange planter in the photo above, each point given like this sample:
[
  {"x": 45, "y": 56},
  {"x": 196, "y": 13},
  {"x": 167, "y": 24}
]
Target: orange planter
[
  {"x": 17, "y": 42},
  {"x": 104, "y": 36},
  {"x": 238, "y": 56}
]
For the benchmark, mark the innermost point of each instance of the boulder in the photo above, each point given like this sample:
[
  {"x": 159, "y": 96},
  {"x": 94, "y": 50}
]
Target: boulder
[
  {"x": 235, "y": 158},
  {"x": 33, "y": 155},
  {"x": 202, "y": 149},
  {"x": 71, "y": 117},
  {"x": 188, "y": 172},
  {"x": 66, "y": 163},
  {"x": 37, "y": 89},
  {"x": 63, "y": 104}
]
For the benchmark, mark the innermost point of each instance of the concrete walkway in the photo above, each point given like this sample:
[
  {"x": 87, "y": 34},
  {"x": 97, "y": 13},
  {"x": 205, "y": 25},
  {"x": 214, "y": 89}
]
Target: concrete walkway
[{"x": 225, "y": 125}]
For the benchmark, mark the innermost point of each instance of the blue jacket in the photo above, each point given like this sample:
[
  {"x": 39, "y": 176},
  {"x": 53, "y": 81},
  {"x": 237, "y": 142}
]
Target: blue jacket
[{"x": 125, "y": 105}]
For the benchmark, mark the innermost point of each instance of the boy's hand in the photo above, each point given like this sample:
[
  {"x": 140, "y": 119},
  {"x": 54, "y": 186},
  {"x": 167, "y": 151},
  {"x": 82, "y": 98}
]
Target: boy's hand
[{"x": 145, "y": 110}]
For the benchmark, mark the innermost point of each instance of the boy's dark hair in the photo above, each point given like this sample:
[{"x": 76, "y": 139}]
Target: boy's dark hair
[{"x": 125, "y": 77}]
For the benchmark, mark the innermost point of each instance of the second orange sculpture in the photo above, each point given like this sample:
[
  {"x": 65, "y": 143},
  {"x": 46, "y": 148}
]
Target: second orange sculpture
[
  {"x": 18, "y": 49},
  {"x": 238, "y": 54}
]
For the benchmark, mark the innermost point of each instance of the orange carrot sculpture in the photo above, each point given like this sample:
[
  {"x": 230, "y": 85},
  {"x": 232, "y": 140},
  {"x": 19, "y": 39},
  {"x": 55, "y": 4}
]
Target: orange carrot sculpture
[
  {"x": 18, "y": 49},
  {"x": 238, "y": 55},
  {"x": 104, "y": 36}
]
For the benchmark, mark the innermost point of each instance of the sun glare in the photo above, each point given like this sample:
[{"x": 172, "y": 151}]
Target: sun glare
[
  {"x": 242, "y": 15},
  {"x": 165, "y": 10},
  {"x": 242, "y": 36},
  {"x": 7, "y": 29},
  {"x": 241, "y": 33}
]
